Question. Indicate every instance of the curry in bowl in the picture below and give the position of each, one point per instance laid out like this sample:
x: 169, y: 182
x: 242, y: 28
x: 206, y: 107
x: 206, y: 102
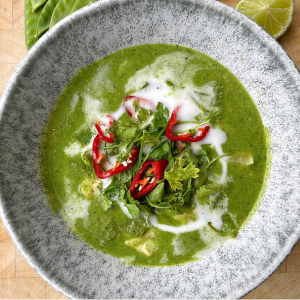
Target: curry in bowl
x: 155, y: 154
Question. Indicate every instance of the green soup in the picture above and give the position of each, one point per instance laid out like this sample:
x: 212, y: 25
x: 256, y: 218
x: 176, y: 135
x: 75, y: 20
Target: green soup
x: 229, y: 164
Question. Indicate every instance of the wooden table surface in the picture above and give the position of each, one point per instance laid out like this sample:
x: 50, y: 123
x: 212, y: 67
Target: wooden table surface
x: 17, y: 279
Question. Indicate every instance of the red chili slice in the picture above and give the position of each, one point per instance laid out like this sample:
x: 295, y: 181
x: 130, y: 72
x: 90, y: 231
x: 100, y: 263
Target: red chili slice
x: 187, y: 137
x: 111, y: 120
x: 118, y: 168
x: 129, y: 107
x: 157, y: 167
x: 107, y: 139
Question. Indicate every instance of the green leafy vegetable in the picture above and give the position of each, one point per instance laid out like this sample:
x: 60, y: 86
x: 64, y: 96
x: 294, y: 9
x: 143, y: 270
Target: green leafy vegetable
x: 120, y: 193
x: 228, y: 227
x: 170, y: 83
x: 106, y: 203
x: 205, y: 191
x: 131, y: 205
x: 179, y: 172
x: 87, y: 158
x: 142, y: 113
x: 160, y: 152
x: 160, y: 120
x: 126, y: 132
x: 202, y: 177
x: 84, y: 136
x: 145, y: 210
x: 170, y: 156
x: 126, y: 176
x: 187, y: 173
x: 157, y: 194
x: 31, y: 23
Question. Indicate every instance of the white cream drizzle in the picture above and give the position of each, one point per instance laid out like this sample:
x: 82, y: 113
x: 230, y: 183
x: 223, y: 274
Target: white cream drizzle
x: 75, y: 207
x: 158, y: 91
x: 204, y: 214
x: 216, y: 137
x: 125, y: 210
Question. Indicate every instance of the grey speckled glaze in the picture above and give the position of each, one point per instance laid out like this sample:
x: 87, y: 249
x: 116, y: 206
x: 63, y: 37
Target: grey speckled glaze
x: 105, y: 27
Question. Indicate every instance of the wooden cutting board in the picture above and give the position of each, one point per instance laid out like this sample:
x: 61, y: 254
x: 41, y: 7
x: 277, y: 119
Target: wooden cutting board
x: 17, y: 279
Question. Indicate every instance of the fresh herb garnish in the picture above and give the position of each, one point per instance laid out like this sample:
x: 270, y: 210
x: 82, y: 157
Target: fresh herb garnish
x: 119, y: 193
x: 170, y: 175
x: 179, y: 172
x: 84, y: 136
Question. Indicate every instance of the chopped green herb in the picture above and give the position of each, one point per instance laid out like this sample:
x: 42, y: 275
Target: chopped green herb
x: 179, y: 172
x: 84, y: 136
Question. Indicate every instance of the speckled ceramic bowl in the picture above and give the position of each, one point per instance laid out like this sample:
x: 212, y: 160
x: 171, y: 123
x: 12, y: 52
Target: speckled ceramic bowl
x: 100, y: 29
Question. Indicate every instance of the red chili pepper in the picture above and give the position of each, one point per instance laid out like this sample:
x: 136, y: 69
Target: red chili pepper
x: 129, y: 107
x: 111, y: 120
x: 187, y: 137
x: 146, y: 185
x: 144, y: 182
x: 107, y: 139
x: 118, y: 168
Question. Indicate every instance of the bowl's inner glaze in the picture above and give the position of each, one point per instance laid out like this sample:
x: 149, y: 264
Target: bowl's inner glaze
x: 103, y: 28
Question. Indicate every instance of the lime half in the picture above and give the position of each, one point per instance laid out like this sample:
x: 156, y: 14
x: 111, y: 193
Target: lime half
x: 275, y: 16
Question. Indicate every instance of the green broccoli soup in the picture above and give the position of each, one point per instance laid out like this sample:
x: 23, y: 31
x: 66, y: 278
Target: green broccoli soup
x: 155, y: 154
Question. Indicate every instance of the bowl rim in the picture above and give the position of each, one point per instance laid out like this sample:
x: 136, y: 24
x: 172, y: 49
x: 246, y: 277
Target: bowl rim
x: 79, y: 14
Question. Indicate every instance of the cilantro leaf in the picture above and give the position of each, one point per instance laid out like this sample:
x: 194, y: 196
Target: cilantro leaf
x: 205, y: 191
x: 126, y: 176
x: 126, y: 132
x: 125, y: 120
x: 84, y: 136
x: 190, y: 157
x: 176, y: 210
x: 132, y: 209
x: 202, y: 177
x: 106, y: 203
x: 205, y: 154
x: 160, y: 120
x: 180, y: 173
x: 170, y: 156
x: 142, y: 113
x: 160, y: 152
x: 120, y: 193
x: 207, y: 98
x: 161, y: 117
x: 131, y: 205
x: 145, y: 210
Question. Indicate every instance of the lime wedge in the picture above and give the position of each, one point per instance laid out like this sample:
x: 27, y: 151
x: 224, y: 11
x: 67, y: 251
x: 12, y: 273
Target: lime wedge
x: 275, y: 16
